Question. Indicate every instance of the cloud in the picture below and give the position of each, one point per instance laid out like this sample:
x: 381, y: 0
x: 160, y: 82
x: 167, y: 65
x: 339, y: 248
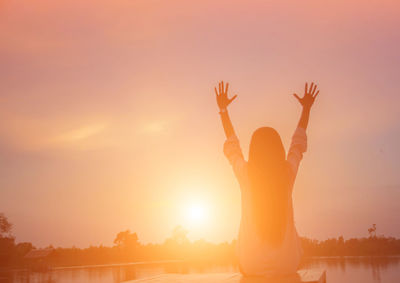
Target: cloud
x: 154, y: 127
x: 78, y: 135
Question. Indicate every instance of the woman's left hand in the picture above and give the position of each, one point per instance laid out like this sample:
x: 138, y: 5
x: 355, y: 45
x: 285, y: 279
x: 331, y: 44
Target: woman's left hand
x: 222, y: 96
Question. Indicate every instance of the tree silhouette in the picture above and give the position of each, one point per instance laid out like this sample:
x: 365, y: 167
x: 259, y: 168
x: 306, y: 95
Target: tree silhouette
x: 179, y: 235
x: 126, y: 239
x: 372, y: 231
x: 5, y: 226
x: 127, y: 248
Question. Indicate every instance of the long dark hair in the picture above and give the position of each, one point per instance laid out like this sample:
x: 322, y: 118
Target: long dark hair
x: 268, y: 177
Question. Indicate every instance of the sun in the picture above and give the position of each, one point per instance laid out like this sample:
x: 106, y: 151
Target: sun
x: 196, y: 213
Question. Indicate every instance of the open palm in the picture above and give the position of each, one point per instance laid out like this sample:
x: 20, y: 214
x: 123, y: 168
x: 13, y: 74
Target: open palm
x: 309, y: 96
x: 222, y: 96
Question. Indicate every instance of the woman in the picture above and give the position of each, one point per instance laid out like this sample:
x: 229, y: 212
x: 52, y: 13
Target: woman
x: 268, y: 243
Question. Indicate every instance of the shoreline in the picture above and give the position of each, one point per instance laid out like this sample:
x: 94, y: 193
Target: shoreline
x: 141, y: 263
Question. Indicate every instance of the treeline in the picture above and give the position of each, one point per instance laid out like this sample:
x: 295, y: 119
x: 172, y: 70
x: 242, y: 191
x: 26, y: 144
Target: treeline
x: 127, y: 248
x: 369, y: 246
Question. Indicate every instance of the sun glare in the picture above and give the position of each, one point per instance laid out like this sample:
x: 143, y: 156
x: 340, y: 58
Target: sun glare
x: 196, y: 213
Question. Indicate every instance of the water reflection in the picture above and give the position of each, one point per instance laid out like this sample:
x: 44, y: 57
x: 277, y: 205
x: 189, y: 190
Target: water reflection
x: 295, y: 278
x: 367, y: 269
x: 344, y: 270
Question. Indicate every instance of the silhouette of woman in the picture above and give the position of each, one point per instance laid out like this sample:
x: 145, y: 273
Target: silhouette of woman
x: 268, y: 244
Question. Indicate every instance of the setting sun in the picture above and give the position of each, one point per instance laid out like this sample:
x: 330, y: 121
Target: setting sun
x: 196, y: 213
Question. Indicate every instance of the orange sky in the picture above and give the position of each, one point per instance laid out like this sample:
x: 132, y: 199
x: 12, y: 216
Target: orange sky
x: 108, y: 119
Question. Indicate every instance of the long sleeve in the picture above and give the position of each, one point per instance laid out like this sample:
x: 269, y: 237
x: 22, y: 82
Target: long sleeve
x: 296, y: 150
x: 234, y: 155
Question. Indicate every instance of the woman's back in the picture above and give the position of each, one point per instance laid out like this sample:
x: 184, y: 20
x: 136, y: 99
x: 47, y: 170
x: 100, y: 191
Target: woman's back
x: 268, y: 243
x: 257, y: 256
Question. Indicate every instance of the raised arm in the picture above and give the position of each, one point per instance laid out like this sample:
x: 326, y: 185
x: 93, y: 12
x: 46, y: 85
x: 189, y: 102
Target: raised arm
x: 223, y: 101
x: 306, y: 101
x: 299, y: 139
x: 232, y: 148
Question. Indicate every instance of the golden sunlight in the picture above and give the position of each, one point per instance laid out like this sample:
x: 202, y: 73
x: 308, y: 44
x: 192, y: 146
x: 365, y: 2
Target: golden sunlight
x: 196, y: 213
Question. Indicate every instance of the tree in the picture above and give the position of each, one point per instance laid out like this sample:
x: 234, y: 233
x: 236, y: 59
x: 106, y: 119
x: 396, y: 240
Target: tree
x: 372, y: 231
x: 24, y: 248
x: 126, y: 239
x: 179, y: 235
x: 5, y: 226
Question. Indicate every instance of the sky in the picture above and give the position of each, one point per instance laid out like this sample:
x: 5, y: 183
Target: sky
x: 108, y: 119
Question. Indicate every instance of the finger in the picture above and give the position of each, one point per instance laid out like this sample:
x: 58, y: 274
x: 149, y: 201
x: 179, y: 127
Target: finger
x: 315, y: 95
x: 219, y: 86
x: 305, y: 90
x: 222, y: 86
x: 315, y: 88
x: 216, y: 92
x: 295, y: 95
x: 230, y: 100
x: 311, y: 87
x: 227, y: 86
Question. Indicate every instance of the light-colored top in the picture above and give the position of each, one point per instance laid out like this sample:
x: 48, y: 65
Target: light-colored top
x: 256, y: 257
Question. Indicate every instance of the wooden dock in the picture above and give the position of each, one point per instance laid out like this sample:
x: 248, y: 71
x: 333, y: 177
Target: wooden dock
x: 302, y: 276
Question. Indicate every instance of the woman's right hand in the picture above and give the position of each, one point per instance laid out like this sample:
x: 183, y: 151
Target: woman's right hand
x: 222, y: 96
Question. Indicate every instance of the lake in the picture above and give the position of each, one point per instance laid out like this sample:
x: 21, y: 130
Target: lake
x: 339, y: 270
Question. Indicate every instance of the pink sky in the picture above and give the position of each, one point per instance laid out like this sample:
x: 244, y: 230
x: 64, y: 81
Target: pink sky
x: 108, y: 119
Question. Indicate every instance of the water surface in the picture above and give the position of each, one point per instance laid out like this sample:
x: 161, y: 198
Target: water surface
x: 339, y: 270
